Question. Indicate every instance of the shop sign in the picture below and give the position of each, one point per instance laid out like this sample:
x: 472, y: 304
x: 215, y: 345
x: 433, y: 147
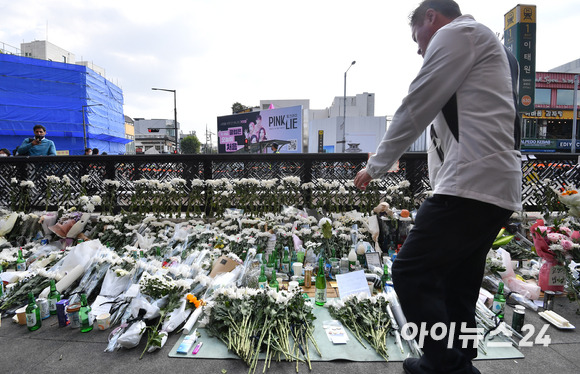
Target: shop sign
x: 567, y: 144
x: 548, y: 79
x: 551, y: 114
x: 538, y: 143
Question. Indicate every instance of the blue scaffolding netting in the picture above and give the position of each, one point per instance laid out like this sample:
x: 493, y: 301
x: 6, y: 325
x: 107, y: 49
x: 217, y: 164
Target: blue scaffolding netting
x: 56, y: 95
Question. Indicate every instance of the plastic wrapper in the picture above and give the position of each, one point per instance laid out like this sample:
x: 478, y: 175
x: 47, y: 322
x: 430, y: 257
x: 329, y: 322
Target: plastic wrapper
x: 176, y: 317
x: 250, y: 276
x: 248, y: 264
x: 7, y: 223
x: 82, y: 254
x: 192, y: 320
x: 310, y: 257
x: 221, y: 280
x: 491, y: 284
x: 401, y: 320
x: 152, y: 308
x: 132, y: 336
x: 90, y: 280
x: 528, y: 290
x: 114, y: 285
x: 373, y: 224
x: 163, y: 335
x: 144, y: 242
x: 48, y: 219
x: 297, y: 242
x: 79, y: 226
x: 65, y: 282
x: 114, y: 338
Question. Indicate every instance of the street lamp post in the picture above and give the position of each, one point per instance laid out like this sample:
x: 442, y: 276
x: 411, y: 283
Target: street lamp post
x: 84, y: 124
x: 575, y: 114
x: 342, y: 127
x: 174, y: 114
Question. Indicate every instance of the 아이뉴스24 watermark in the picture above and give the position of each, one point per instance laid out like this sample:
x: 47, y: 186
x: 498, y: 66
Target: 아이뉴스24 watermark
x: 473, y: 336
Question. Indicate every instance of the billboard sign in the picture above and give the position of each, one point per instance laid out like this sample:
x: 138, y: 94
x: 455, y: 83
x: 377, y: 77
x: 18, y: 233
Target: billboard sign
x: 256, y: 132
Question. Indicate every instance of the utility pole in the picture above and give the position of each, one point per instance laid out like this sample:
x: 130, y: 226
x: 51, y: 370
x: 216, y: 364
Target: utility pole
x: 208, y: 135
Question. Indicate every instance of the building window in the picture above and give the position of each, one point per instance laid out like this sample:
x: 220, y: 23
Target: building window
x: 543, y: 96
x: 566, y: 97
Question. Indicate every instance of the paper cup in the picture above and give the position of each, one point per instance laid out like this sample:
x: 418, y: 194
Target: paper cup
x: 103, y: 321
x: 297, y: 268
x: 21, y: 315
x: 293, y: 285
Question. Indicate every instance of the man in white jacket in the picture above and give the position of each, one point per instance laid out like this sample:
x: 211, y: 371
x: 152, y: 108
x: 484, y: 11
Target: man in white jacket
x: 466, y: 91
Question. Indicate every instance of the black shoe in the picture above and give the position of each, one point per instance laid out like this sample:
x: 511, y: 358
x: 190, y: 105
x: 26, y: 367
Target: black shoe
x: 413, y: 366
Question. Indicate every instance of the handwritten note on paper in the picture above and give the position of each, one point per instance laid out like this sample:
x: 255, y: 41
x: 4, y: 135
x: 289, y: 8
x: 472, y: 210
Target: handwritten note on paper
x: 557, y: 276
x: 352, y: 283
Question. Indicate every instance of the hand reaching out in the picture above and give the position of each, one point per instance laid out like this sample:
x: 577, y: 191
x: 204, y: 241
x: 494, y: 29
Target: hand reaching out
x: 362, y: 179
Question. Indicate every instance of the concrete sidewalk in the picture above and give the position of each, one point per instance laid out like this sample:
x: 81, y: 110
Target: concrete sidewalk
x: 52, y: 349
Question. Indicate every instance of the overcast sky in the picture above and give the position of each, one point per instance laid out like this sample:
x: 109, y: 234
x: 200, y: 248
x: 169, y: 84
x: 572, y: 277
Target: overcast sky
x: 217, y: 52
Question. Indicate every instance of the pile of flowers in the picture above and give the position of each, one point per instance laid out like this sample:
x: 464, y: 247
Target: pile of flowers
x: 366, y: 317
x: 250, y: 321
x: 571, y: 198
x: 558, y: 245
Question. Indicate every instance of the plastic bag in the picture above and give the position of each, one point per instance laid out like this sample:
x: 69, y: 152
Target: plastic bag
x: 531, y: 291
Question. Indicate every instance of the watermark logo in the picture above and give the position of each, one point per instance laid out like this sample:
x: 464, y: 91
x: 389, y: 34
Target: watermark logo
x: 473, y: 336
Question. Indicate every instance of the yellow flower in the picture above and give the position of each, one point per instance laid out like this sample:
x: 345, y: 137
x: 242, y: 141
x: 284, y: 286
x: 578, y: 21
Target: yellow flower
x: 193, y: 300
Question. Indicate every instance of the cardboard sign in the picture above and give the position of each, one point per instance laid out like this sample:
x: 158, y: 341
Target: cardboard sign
x: 224, y: 264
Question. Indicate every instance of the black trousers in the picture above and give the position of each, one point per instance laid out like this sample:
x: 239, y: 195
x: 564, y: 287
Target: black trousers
x: 438, y: 272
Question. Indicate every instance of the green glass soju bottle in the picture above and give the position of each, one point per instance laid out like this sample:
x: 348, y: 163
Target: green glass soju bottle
x: 274, y: 281
x: 286, y: 261
x: 53, y: 298
x: 20, y: 262
x: 33, y: 320
x: 293, y: 259
x: 320, y: 293
x: 498, y: 306
x: 262, y: 279
x: 386, y: 282
x: 85, y: 315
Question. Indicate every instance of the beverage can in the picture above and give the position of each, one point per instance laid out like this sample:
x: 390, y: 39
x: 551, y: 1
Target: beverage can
x: 307, y: 276
x: 518, y: 318
x: 549, y: 300
x: 43, y: 305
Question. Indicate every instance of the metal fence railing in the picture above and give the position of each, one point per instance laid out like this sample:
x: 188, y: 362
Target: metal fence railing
x: 328, y: 179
